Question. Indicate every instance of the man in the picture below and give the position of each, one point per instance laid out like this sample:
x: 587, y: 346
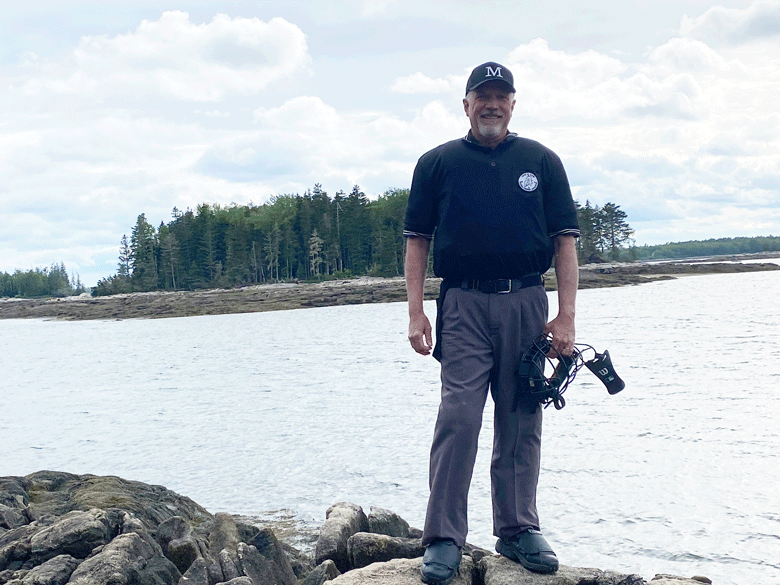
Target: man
x: 501, y: 209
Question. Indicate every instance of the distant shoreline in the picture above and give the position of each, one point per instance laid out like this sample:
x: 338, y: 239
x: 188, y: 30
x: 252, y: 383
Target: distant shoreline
x: 283, y: 296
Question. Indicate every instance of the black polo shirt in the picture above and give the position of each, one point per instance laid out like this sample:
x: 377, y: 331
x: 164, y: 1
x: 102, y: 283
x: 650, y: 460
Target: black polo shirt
x: 494, y: 212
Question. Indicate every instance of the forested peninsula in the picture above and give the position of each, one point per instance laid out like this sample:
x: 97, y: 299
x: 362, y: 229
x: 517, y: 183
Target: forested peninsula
x: 301, y: 295
x: 313, y: 250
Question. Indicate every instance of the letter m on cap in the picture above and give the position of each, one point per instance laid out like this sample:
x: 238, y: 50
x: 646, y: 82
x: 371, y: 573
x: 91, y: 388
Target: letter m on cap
x: 493, y: 72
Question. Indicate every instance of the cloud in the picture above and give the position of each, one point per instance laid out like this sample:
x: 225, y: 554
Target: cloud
x: 177, y: 111
x: 177, y: 59
x: 419, y: 83
x: 720, y: 25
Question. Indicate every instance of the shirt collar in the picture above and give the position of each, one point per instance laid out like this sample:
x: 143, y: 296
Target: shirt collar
x: 469, y: 138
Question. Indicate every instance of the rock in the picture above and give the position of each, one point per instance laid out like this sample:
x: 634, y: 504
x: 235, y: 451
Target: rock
x: 75, y: 534
x: 267, y: 545
x: 382, y: 521
x: 302, y: 564
x: 255, y: 566
x: 11, y: 517
x: 56, y: 493
x: 239, y: 581
x: 159, y: 571
x: 673, y: 580
x: 496, y: 570
x: 13, y: 492
x: 223, y: 535
x: 364, y: 548
x: 52, y: 520
x: 342, y: 520
x: 125, y: 560
x: 228, y: 566
x: 215, y: 574
x: 182, y: 552
x: 197, y: 574
x: 325, y: 571
x: 400, y: 572
x: 55, y: 571
x: 171, y: 529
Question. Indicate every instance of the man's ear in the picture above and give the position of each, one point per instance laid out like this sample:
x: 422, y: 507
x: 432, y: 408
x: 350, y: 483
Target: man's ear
x: 466, y: 106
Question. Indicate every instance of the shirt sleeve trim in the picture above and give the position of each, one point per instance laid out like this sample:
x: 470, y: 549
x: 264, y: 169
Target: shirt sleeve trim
x: 411, y: 234
x: 566, y: 232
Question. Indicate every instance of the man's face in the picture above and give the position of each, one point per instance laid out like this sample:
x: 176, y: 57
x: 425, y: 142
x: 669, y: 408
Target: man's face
x: 489, y: 108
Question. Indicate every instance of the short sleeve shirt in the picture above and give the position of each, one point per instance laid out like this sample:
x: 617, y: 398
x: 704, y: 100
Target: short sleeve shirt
x: 493, y: 212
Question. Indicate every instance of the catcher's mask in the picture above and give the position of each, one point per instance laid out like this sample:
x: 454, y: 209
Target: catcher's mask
x: 535, y: 387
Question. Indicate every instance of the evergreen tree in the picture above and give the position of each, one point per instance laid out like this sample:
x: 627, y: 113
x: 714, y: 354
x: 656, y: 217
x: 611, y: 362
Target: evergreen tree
x: 615, y: 230
x: 125, y: 257
x: 142, y: 243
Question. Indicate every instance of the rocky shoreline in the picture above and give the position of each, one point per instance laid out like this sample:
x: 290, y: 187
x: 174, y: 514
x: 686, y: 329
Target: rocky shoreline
x: 273, y: 297
x: 58, y: 528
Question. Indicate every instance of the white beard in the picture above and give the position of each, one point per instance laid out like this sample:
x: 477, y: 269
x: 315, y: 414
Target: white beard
x: 489, y: 130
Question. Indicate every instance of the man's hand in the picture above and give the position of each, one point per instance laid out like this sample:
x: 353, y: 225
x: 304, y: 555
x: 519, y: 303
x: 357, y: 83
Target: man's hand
x: 416, y: 263
x: 561, y: 329
x: 420, y: 333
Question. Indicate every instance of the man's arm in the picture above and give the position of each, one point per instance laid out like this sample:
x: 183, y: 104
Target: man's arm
x: 415, y: 267
x: 567, y: 273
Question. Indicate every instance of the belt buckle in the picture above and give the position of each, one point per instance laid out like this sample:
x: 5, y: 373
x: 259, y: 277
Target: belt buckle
x: 508, y: 282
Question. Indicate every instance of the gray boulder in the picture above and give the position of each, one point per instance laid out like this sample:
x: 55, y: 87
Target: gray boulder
x: 239, y: 581
x: 496, y: 570
x: 365, y: 548
x: 401, y: 572
x: 11, y: 517
x: 75, y: 534
x: 197, y: 574
x: 342, y: 520
x: 53, y: 493
x: 255, y: 566
x: 124, y: 560
x: 383, y: 521
x: 56, y: 571
x: 672, y: 580
x: 228, y: 566
x: 325, y: 571
x: 223, y: 535
x: 182, y: 552
x: 266, y: 543
x: 171, y: 529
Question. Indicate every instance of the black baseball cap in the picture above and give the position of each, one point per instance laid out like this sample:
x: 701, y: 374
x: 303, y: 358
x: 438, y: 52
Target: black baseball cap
x: 490, y: 71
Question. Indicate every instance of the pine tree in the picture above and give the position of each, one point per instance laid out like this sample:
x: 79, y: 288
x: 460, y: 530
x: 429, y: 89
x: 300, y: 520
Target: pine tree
x: 142, y: 243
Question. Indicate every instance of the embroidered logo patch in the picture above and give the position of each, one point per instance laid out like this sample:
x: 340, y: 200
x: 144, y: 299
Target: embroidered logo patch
x: 528, y: 182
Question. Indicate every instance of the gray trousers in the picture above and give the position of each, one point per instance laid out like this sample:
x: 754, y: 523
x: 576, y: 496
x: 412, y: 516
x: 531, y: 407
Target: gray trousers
x: 483, y: 336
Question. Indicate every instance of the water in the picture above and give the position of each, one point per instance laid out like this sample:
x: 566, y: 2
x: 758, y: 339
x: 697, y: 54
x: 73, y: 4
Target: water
x: 296, y: 410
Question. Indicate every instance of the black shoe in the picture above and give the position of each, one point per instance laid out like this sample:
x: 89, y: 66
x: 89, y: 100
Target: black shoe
x: 531, y: 550
x: 440, y: 562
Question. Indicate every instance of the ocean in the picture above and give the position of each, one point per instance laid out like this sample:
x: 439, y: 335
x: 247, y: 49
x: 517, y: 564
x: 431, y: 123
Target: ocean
x: 283, y: 414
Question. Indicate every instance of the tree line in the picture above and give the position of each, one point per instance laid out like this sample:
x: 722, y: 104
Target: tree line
x: 292, y: 237
x: 296, y: 237
x: 313, y: 237
x: 40, y: 282
x: 711, y: 247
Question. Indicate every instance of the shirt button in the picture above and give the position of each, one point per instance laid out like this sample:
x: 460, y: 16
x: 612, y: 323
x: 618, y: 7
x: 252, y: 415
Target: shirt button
x: 493, y: 164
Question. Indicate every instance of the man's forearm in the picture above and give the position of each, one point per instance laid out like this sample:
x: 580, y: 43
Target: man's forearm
x: 567, y: 275
x: 415, y: 268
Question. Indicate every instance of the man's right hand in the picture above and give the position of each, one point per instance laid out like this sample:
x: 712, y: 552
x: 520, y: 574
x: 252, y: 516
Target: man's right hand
x: 420, y: 335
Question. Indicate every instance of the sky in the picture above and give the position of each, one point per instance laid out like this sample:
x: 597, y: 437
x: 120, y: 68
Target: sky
x: 113, y: 109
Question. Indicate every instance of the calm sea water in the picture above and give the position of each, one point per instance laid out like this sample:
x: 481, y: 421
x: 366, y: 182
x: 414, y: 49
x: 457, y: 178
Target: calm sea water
x: 296, y: 410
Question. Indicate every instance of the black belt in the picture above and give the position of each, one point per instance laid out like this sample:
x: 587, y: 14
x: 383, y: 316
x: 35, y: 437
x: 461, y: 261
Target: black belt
x: 503, y: 285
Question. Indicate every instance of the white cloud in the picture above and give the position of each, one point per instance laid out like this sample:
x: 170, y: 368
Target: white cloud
x: 179, y: 111
x: 177, y: 59
x: 419, y: 83
x: 721, y: 25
